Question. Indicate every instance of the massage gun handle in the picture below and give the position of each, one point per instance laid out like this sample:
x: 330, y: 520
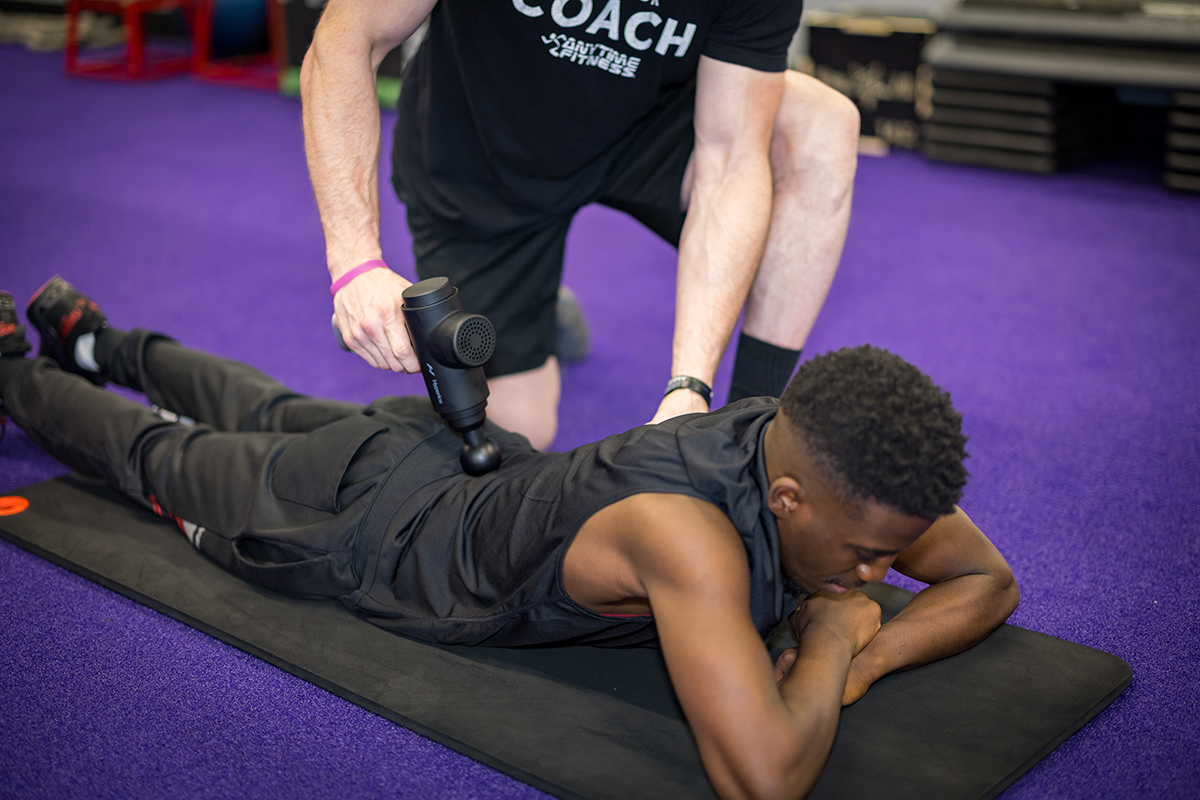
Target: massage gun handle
x: 469, y: 340
x: 337, y: 334
x: 467, y: 382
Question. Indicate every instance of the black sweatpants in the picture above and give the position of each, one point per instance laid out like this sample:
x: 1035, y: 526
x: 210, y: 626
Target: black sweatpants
x: 280, y: 483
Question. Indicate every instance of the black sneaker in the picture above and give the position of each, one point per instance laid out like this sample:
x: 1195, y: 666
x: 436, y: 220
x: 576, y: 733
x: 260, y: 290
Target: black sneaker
x: 12, y: 344
x: 12, y: 333
x: 61, y: 315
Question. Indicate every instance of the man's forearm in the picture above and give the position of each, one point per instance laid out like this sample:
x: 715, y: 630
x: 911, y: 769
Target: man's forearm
x: 812, y: 693
x: 971, y: 592
x: 944, y: 619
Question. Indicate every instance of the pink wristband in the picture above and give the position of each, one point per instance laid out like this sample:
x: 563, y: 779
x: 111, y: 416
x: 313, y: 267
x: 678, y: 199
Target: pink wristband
x: 366, y: 266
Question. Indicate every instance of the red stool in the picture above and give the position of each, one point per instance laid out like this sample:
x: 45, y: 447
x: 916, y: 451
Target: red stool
x: 134, y: 64
x: 257, y: 71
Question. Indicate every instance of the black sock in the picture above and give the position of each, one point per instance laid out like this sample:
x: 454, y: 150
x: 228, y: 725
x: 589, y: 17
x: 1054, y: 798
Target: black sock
x: 107, y: 341
x: 761, y: 369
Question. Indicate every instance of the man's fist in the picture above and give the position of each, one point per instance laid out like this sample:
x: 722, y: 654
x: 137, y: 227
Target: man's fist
x: 852, y: 615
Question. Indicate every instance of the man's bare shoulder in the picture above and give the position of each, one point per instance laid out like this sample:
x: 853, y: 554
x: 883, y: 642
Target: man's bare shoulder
x: 651, y: 539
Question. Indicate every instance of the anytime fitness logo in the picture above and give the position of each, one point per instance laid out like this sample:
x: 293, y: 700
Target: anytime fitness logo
x: 638, y: 32
x: 591, y: 54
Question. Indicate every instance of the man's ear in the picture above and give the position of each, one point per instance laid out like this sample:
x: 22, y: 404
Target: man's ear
x: 786, y: 497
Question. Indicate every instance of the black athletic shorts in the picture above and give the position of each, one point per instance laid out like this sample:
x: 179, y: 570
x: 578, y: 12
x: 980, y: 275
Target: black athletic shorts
x: 513, y: 279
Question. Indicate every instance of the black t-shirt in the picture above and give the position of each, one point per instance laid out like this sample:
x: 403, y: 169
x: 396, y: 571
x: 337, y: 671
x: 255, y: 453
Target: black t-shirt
x: 517, y: 102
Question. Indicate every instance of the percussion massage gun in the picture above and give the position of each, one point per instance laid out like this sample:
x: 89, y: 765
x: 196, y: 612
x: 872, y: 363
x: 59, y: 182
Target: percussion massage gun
x: 452, y: 346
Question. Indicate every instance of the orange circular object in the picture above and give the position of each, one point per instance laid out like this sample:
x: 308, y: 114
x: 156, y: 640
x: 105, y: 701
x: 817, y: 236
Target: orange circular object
x: 12, y: 505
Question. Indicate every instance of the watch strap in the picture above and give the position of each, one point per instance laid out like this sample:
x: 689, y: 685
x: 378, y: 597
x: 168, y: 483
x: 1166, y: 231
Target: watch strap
x: 688, y: 382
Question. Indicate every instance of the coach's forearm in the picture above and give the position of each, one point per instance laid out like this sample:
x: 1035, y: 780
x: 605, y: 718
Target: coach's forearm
x: 719, y: 251
x: 341, y: 118
x: 341, y: 142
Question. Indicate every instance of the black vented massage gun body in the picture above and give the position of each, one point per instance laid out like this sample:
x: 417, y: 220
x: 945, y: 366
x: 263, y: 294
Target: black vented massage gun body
x: 452, y: 346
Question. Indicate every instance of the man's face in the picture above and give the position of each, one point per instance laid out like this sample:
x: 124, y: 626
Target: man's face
x: 825, y: 543
x: 835, y: 547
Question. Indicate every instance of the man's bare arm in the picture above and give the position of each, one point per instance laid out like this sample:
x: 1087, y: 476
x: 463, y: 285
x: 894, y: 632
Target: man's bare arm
x: 971, y: 592
x: 757, y: 738
x: 729, y: 215
x: 342, y: 138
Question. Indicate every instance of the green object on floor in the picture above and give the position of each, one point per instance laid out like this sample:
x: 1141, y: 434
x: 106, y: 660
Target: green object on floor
x: 386, y: 89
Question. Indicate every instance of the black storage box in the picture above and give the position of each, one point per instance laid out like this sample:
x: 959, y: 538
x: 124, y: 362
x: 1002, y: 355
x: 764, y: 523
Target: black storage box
x: 873, y: 60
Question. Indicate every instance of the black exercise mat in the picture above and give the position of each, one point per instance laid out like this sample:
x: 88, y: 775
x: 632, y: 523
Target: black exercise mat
x: 586, y: 722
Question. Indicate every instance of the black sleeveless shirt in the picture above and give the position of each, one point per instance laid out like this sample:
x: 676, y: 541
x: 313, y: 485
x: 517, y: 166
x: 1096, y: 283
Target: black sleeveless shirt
x: 460, y: 560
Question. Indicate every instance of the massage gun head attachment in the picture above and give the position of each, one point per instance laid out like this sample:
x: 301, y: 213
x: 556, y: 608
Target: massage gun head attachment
x: 452, y: 346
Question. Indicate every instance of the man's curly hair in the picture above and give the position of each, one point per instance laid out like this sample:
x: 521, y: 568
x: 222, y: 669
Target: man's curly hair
x: 879, y: 429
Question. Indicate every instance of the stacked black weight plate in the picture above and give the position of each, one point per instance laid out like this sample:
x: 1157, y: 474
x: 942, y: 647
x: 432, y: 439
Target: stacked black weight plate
x: 1183, y: 142
x: 1021, y: 123
x: 1087, y: 78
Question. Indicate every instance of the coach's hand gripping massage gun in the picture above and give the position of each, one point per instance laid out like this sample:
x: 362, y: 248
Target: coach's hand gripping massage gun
x: 452, y: 346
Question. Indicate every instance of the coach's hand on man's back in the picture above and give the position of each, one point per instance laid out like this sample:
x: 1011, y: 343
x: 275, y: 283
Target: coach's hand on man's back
x: 368, y: 314
x: 678, y: 403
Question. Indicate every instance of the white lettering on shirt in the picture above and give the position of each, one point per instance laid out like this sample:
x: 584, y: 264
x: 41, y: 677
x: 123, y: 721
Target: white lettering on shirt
x: 529, y: 11
x: 669, y: 38
x: 631, y: 37
x: 556, y: 13
x: 592, y: 54
x: 609, y: 18
x: 608, y: 21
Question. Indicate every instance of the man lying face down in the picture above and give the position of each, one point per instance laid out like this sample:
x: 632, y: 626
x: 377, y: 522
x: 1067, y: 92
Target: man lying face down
x: 699, y: 533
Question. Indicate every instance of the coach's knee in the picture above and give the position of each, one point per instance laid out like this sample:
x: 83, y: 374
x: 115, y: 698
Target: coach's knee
x: 527, y: 403
x: 814, y: 147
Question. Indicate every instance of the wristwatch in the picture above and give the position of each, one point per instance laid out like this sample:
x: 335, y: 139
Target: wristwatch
x: 688, y: 382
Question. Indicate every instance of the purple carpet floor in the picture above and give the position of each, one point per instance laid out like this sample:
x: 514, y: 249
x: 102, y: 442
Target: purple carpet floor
x: 1062, y: 313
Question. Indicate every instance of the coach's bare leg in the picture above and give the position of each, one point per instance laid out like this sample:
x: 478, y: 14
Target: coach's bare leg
x: 527, y: 402
x: 813, y: 160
